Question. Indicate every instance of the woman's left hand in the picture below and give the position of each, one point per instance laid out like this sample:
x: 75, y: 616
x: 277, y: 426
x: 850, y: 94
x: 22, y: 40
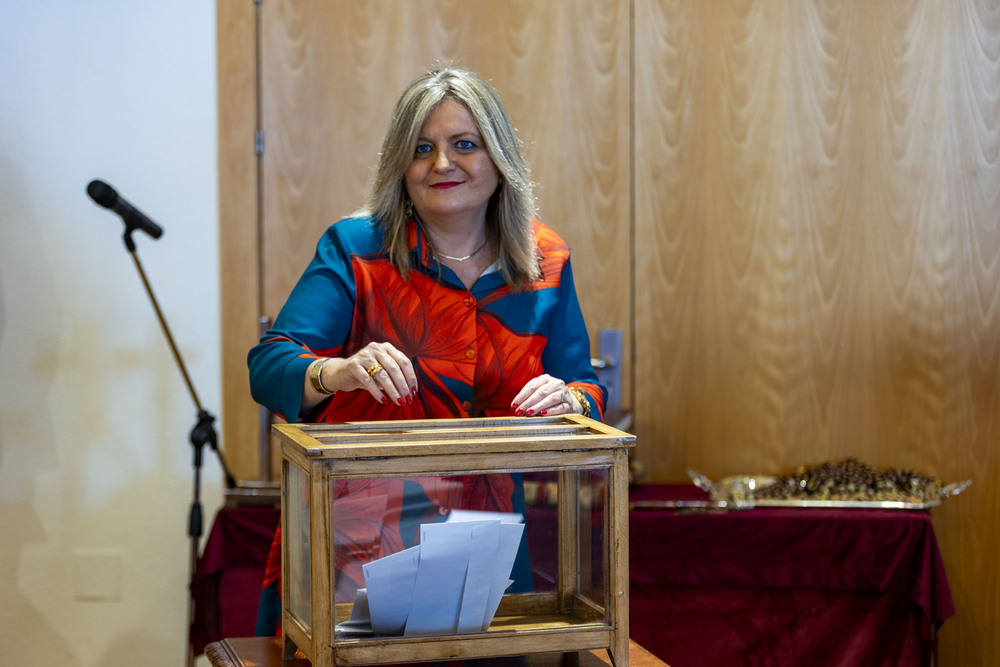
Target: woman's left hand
x: 545, y: 395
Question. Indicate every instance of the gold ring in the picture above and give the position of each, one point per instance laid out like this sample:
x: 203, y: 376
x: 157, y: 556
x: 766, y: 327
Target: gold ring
x: 374, y: 369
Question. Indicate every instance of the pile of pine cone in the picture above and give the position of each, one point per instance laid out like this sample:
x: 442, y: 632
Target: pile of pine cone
x: 852, y: 480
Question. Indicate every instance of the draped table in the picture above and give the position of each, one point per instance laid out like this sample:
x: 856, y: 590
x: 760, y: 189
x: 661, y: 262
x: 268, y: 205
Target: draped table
x: 784, y: 586
x: 229, y: 575
x: 763, y: 587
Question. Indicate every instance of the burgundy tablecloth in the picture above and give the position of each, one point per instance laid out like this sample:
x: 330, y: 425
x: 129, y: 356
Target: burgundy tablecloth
x: 784, y: 586
x: 227, y: 580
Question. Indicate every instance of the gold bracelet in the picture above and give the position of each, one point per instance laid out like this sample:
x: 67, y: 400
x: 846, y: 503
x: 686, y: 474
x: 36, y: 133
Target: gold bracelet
x: 582, y: 397
x: 316, y: 380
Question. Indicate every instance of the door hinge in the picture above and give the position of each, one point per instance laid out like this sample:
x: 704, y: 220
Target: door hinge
x: 258, y: 145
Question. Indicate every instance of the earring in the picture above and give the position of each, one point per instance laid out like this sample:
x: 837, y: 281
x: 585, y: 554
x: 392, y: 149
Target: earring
x: 409, y: 208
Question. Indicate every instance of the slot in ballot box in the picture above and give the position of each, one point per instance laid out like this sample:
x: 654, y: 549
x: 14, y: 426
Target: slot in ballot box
x: 364, y: 583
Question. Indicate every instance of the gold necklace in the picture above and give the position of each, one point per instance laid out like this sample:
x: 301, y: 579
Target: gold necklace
x: 469, y: 256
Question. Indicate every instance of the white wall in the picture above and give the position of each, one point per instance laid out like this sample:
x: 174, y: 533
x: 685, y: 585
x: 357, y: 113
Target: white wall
x: 96, y: 468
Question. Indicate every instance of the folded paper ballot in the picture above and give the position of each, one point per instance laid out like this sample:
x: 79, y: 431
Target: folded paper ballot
x: 452, y: 582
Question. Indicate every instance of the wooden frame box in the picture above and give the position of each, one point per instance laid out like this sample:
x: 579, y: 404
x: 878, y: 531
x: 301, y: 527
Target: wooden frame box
x: 587, y: 463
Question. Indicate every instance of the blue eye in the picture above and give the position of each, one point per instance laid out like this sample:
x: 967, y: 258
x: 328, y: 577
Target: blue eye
x: 465, y: 144
x: 423, y: 149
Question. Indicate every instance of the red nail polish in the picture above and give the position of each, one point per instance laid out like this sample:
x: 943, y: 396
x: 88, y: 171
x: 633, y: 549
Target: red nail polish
x: 400, y: 402
x: 530, y: 412
x: 409, y: 400
x: 513, y: 406
x: 544, y: 412
x: 414, y: 391
x: 518, y: 412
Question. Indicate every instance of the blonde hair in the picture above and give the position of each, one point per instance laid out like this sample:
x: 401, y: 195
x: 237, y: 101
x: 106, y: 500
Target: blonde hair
x: 511, y: 208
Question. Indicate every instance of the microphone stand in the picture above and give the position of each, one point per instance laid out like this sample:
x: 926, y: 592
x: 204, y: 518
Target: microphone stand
x: 202, y: 434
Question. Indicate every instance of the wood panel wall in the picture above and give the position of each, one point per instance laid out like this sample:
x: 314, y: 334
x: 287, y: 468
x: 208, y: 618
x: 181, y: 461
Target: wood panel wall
x: 239, y: 240
x: 818, y: 253
x: 332, y: 72
x: 792, y: 208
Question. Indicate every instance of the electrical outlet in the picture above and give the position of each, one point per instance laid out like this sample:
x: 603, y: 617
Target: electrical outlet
x: 97, y: 574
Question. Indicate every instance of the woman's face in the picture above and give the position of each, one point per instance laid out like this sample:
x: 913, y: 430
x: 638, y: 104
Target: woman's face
x: 451, y: 177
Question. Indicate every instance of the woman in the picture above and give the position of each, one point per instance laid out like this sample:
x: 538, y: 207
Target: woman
x: 443, y: 298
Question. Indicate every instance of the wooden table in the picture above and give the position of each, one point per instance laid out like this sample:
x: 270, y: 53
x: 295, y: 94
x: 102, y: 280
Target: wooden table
x: 266, y: 652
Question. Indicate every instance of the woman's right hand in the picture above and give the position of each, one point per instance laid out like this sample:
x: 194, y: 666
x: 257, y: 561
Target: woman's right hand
x: 378, y: 368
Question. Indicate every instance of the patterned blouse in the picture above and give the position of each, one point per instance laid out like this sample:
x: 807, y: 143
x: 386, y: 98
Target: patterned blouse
x: 472, y: 349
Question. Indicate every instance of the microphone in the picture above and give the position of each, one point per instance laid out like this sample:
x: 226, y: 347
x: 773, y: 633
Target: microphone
x: 105, y: 195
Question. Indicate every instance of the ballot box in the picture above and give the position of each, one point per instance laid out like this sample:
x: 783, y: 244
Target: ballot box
x: 405, y: 541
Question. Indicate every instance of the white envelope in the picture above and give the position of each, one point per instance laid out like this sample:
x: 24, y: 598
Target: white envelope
x: 483, y: 544
x: 510, y: 540
x: 437, y: 592
x: 390, y: 583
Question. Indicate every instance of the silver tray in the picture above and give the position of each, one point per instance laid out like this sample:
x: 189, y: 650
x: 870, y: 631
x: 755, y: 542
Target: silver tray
x: 855, y: 504
x: 738, y: 492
